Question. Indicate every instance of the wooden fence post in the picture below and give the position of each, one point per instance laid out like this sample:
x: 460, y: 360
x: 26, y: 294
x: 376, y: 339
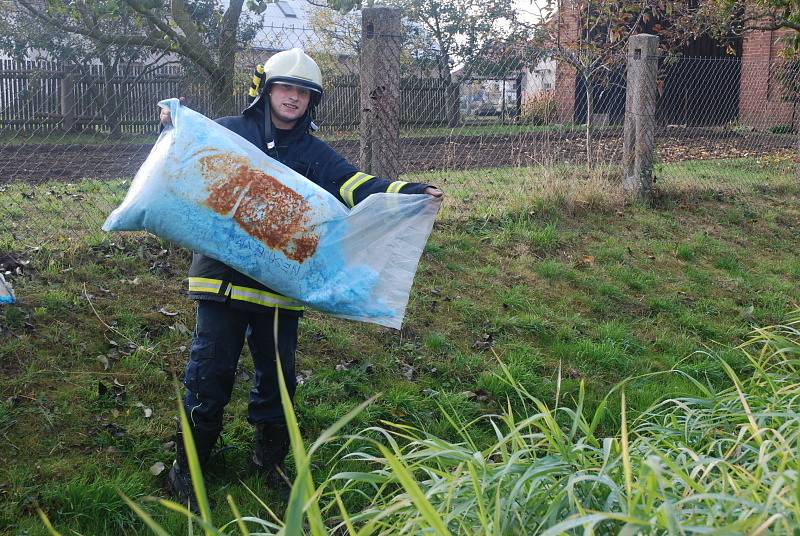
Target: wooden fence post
x: 380, y: 91
x: 453, y: 95
x: 68, y: 116
x: 640, y: 115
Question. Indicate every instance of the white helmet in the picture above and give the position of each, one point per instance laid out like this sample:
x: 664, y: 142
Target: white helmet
x: 293, y: 67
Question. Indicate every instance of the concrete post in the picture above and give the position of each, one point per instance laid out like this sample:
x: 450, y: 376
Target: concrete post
x: 640, y: 115
x: 380, y: 91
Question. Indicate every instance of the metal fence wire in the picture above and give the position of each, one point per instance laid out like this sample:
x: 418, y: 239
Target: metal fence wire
x: 495, y: 133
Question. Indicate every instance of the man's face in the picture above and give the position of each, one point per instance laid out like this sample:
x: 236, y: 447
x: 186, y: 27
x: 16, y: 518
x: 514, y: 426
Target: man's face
x: 288, y: 104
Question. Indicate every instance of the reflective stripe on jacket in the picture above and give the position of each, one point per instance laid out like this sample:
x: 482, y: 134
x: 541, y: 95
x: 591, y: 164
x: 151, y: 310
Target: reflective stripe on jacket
x: 262, y: 298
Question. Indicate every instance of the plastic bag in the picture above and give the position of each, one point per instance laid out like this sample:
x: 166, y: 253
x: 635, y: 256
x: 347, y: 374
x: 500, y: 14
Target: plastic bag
x: 6, y: 292
x: 210, y: 190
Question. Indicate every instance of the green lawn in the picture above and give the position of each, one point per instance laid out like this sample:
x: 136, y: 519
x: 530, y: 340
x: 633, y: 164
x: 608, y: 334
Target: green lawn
x: 541, y: 266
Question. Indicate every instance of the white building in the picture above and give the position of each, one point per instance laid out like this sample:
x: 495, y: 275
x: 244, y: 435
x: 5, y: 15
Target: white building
x: 539, y: 79
x: 286, y: 25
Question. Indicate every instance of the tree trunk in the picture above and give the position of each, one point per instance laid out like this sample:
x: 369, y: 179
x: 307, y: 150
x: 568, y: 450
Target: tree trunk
x: 111, y: 102
x: 222, y: 81
x: 589, y: 114
x: 453, y: 103
x: 221, y: 94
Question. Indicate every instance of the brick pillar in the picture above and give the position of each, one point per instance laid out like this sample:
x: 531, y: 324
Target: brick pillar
x: 565, y: 73
x: 565, y: 92
x: 760, y: 92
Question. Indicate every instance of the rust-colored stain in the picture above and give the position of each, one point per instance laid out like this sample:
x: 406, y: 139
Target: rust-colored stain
x: 265, y: 208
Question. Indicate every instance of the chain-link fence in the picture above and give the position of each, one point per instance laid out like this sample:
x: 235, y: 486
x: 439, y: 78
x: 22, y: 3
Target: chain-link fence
x: 496, y: 131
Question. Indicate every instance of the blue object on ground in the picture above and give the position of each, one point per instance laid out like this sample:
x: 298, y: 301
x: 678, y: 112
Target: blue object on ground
x: 6, y: 292
x: 210, y: 190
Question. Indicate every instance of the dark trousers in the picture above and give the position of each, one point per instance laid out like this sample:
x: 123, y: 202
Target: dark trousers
x: 211, y: 370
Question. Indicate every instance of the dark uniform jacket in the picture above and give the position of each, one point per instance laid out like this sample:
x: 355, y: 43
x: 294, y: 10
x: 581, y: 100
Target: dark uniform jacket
x: 210, y: 279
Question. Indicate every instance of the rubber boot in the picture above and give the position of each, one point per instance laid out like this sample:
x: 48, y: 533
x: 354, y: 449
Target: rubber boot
x: 179, y: 480
x: 272, y: 446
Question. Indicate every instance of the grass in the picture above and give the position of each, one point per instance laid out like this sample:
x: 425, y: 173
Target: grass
x: 577, y: 283
x: 724, y: 460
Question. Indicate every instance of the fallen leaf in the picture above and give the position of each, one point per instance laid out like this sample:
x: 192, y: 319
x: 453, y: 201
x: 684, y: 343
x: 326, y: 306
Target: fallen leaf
x: 484, y: 343
x: 181, y: 328
x: 408, y: 372
x: 115, y: 430
x: 148, y: 412
x: 346, y: 365
x: 303, y: 377
x: 104, y: 360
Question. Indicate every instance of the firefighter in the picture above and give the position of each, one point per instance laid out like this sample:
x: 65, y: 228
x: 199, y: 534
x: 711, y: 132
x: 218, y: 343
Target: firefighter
x: 231, y: 307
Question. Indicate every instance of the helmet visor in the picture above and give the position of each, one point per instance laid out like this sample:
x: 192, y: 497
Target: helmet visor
x: 291, y: 81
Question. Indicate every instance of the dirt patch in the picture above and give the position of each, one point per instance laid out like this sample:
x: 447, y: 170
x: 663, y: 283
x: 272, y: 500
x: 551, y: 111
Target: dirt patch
x: 35, y: 163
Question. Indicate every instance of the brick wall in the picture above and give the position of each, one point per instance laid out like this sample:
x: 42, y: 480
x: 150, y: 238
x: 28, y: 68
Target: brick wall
x: 565, y: 74
x: 760, y: 93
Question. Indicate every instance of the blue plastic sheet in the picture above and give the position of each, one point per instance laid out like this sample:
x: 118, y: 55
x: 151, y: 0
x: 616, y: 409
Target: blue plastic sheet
x: 6, y: 292
x: 210, y: 190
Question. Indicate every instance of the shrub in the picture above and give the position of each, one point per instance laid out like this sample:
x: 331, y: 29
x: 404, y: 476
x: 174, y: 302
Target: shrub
x: 539, y: 109
x: 782, y: 129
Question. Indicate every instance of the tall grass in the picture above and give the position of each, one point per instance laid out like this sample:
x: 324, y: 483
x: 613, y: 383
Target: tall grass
x: 723, y: 462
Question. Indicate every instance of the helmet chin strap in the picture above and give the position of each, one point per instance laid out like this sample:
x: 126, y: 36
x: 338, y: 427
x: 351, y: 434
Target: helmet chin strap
x: 268, y: 137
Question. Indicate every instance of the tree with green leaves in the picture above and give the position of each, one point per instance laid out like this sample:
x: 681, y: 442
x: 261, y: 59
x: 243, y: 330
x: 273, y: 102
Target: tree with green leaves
x: 23, y: 36
x: 204, y: 34
x: 446, y: 34
x: 340, y: 35
x: 736, y: 17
